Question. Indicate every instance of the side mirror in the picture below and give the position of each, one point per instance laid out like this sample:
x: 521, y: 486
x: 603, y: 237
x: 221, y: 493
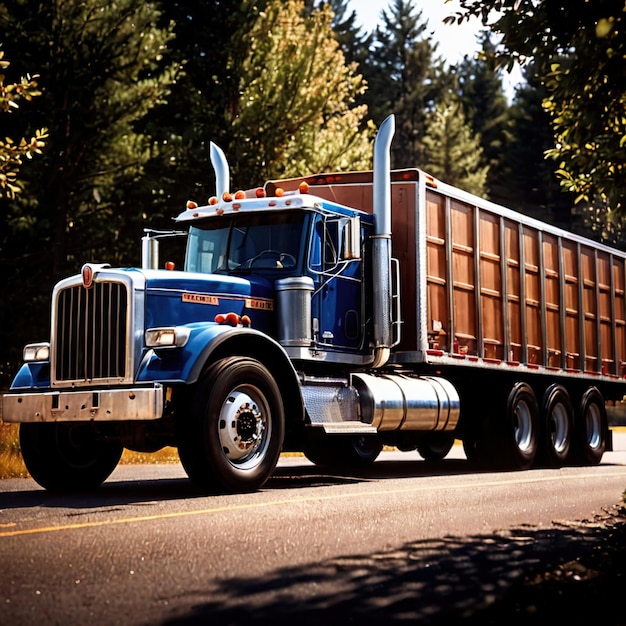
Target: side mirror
x: 352, y: 239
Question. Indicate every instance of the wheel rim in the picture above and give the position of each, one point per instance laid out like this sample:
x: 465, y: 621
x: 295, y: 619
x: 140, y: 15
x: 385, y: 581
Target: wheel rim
x: 243, y: 427
x: 593, y: 426
x: 559, y: 428
x: 523, y: 427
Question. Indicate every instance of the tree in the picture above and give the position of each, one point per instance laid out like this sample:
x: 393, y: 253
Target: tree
x: 403, y: 78
x: 453, y: 152
x: 11, y: 151
x: 578, y: 48
x: 533, y: 187
x: 103, y: 66
x: 488, y: 113
x: 295, y: 112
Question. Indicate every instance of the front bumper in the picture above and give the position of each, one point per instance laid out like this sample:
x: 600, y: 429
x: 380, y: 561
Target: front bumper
x: 131, y: 403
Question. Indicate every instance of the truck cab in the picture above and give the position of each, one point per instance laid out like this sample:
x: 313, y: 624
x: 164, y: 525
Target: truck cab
x: 294, y: 250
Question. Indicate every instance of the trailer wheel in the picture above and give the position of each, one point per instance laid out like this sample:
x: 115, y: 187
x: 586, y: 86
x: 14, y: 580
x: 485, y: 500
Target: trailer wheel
x: 234, y: 435
x: 68, y: 457
x: 517, y: 434
x: 434, y: 447
x: 591, y: 428
x: 557, y: 426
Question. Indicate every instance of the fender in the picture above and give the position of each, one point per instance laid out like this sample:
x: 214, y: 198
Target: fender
x: 32, y: 376
x: 209, y: 341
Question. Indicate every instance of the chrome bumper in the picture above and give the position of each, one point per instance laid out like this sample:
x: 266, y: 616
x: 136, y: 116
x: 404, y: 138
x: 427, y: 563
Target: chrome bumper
x: 141, y: 403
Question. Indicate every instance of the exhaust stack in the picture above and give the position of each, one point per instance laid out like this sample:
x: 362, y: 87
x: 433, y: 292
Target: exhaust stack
x: 221, y: 169
x: 381, y: 246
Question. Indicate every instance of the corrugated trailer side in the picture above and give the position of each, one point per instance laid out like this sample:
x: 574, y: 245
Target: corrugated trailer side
x: 500, y: 289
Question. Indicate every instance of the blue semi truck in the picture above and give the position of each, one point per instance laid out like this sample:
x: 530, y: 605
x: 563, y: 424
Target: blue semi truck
x: 330, y: 314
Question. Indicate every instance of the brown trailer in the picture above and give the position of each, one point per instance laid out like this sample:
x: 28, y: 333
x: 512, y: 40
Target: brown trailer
x: 526, y: 320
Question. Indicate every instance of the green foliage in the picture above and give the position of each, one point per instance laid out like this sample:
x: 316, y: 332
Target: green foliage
x: 295, y: 111
x: 578, y: 48
x: 13, y: 151
x: 488, y: 113
x: 404, y: 79
x: 453, y: 152
x: 102, y: 67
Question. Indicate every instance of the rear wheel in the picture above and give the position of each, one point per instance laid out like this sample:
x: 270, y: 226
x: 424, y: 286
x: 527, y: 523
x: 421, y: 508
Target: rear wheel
x: 342, y: 450
x: 517, y: 434
x: 68, y: 456
x: 591, y: 428
x: 557, y: 426
x: 435, y: 446
x: 234, y: 435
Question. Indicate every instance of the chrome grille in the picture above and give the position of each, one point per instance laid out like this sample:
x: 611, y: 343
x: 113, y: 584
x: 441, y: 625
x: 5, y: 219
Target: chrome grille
x: 90, y: 338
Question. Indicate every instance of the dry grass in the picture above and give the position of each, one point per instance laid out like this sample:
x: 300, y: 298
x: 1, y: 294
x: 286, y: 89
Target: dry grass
x: 165, y: 455
x: 11, y: 464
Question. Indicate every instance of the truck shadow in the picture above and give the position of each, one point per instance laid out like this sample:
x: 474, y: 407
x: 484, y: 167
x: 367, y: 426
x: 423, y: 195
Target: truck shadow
x: 122, y: 492
x: 571, y: 571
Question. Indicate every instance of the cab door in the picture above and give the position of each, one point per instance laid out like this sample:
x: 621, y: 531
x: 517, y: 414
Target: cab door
x: 337, y: 304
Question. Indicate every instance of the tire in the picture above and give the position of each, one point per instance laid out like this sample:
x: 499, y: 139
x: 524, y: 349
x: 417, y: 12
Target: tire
x: 591, y: 428
x: 517, y: 434
x: 234, y: 435
x: 557, y: 427
x: 478, y: 438
x: 362, y: 450
x: 68, y: 457
x: 342, y: 451
x: 434, y: 447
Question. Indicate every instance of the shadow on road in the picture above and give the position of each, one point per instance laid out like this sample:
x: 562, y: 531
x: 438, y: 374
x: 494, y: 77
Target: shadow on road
x: 294, y: 476
x: 571, y: 572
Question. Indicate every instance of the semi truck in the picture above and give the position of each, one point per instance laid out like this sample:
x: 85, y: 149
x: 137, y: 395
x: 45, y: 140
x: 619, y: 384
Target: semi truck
x: 330, y: 315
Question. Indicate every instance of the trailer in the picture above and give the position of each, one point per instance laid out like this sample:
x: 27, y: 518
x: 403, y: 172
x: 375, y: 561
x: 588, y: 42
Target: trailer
x: 331, y: 314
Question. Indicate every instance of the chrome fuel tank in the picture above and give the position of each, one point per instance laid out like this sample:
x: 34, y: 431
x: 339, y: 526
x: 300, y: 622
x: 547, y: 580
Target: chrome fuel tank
x: 400, y: 402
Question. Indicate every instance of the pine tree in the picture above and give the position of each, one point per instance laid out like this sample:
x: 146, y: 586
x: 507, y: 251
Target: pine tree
x: 102, y: 67
x: 533, y: 187
x: 404, y: 78
x: 486, y: 109
x: 453, y: 152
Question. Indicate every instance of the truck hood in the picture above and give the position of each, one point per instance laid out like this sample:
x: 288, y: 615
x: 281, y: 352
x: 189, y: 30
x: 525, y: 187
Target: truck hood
x: 177, y: 298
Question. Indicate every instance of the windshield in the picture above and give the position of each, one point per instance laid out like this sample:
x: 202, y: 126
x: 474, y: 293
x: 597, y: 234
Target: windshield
x: 246, y: 242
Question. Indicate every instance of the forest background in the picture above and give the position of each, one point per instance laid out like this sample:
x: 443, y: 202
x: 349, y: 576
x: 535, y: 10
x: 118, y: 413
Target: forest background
x: 119, y: 99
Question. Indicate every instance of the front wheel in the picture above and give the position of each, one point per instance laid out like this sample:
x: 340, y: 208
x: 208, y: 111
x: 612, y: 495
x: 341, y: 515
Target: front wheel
x: 68, y: 456
x: 233, y: 437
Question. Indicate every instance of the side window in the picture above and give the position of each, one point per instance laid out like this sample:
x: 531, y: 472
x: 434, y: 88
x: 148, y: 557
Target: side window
x: 326, y: 247
x: 332, y: 248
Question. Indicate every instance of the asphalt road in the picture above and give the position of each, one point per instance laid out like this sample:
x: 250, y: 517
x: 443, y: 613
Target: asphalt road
x: 403, y: 540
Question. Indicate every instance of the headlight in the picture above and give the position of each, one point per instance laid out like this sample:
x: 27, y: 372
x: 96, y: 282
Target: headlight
x: 36, y: 352
x: 167, y: 337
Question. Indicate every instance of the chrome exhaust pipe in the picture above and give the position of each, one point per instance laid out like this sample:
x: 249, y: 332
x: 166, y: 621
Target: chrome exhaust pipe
x: 221, y: 169
x: 381, y: 245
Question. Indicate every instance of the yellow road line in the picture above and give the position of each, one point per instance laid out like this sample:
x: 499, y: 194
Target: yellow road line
x: 290, y: 501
